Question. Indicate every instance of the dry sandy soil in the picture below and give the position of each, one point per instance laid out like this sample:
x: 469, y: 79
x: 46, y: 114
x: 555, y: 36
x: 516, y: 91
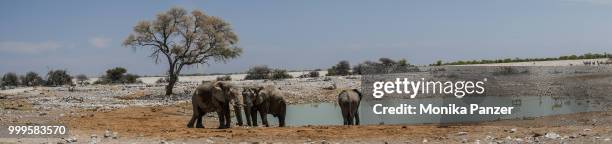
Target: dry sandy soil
x: 167, y: 124
x: 155, y: 124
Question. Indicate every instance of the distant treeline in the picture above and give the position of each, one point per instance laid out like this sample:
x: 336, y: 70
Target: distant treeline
x: 228, y: 73
x: 54, y: 78
x: 201, y: 74
x: 117, y: 75
x: 382, y: 66
x: 509, y: 60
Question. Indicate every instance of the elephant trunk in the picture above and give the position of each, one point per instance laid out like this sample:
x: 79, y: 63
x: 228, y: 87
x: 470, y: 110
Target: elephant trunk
x: 238, y: 114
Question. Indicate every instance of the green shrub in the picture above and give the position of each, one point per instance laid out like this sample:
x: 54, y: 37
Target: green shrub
x: 10, y: 79
x: 439, y: 63
x: 311, y: 74
x: 82, y: 79
x: 58, y: 78
x: 280, y: 74
x: 32, y: 79
x: 384, y: 65
x: 224, y: 78
x: 118, y: 75
x: 342, y: 68
x: 358, y: 69
x: 258, y: 72
x: 387, y: 61
x: 131, y: 78
x: 314, y: 73
x: 102, y: 80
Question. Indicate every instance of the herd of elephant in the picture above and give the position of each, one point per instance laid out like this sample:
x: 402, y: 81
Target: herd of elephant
x: 218, y: 96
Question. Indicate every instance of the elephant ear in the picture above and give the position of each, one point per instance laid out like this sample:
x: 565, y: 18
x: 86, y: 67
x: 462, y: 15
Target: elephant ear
x: 245, y: 92
x: 235, y: 95
x: 219, y: 93
x: 260, y: 97
x: 226, y: 86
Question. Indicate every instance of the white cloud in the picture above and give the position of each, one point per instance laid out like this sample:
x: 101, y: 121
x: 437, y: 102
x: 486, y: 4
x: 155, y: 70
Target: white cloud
x: 28, y: 47
x: 100, y: 42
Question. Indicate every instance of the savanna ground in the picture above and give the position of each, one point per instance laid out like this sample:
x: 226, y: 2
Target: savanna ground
x: 160, y: 124
x: 141, y: 114
x: 167, y: 123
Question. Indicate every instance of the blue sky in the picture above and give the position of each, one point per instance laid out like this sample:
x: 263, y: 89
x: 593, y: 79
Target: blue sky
x: 85, y: 36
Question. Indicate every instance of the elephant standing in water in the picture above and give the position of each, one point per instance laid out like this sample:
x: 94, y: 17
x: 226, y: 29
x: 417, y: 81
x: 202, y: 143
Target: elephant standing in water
x: 349, y: 104
x: 213, y: 97
x: 266, y: 101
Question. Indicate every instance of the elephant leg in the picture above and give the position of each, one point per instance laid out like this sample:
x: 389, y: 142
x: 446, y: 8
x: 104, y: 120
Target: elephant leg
x: 191, y: 122
x: 226, y: 113
x: 350, y: 119
x: 282, y: 114
x: 264, y: 118
x: 199, y: 120
x: 356, y: 117
x: 254, y: 116
x: 237, y: 110
x: 281, y: 120
x: 345, y: 114
x: 194, y: 117
x: 221, y: 119
x: 247, y: 115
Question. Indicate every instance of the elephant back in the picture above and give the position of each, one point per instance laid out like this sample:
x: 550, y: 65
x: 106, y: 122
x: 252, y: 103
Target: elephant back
x: 203, y: 95
x: 359, y: 94
x: 204, y: 91
x: 349, y: 96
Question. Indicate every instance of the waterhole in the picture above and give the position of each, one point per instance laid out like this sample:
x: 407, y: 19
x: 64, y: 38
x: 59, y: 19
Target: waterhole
x: 524, y: 107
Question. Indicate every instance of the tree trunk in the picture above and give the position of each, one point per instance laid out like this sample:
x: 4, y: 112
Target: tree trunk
x: 169, y: 87
x: 172, y: 76
x: 171, y: 81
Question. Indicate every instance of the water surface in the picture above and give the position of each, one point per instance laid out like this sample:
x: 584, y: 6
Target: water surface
x: 524, y: 107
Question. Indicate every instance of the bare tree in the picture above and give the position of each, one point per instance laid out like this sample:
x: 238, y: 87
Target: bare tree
x: 185, y: 39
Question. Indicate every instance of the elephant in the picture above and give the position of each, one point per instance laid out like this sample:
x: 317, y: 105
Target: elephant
x: 213, y: 97
x: 349, y: 104
x: 265, y: 100
x: 249, y: 93
x: 237, y: 102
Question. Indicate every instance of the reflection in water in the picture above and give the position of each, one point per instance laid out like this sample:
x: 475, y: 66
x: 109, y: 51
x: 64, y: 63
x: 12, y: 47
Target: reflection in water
x: 524, y: 107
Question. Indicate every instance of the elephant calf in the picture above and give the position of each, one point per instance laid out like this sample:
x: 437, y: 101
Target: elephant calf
x: 266, y: 101
x: 349, y: 104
